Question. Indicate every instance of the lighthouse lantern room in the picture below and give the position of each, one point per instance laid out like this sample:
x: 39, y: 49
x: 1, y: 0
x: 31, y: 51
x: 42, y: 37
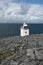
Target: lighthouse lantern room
x: 24, y: 31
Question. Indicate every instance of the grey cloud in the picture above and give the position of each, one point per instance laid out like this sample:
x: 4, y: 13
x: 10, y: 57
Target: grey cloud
x: 24, y: 9
x: 20, y: 11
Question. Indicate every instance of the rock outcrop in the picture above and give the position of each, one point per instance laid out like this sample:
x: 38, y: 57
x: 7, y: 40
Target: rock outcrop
x: 19, y: 50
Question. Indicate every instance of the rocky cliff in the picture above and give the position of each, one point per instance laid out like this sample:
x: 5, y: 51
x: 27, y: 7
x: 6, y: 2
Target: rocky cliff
x: 19, y: 50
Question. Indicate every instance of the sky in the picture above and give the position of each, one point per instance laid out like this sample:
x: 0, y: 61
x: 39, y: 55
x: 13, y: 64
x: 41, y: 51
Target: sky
x: 19, y: 11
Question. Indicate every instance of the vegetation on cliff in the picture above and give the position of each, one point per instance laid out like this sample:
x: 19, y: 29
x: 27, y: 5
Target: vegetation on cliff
x: 21, y: 50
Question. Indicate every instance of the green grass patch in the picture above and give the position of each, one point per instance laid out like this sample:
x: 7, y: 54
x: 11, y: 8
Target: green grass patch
x: 4, y: 55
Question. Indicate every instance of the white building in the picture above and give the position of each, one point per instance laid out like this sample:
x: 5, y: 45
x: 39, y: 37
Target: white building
x: 24, y: 31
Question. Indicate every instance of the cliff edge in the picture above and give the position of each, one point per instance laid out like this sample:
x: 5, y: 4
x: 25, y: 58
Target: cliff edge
x: 17, y: 50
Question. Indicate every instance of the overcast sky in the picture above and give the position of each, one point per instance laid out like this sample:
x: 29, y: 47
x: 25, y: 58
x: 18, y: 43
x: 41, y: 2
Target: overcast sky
x: 30, y: 11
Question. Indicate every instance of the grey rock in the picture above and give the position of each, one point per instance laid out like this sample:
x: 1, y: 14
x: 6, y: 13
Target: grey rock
x: 29, y: 50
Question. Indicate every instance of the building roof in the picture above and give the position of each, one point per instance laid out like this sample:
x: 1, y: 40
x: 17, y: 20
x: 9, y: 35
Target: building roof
x: 25, y: 26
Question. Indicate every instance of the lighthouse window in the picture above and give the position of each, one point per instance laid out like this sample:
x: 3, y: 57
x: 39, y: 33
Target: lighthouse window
x: 25, y: 32
x: 25, y: 27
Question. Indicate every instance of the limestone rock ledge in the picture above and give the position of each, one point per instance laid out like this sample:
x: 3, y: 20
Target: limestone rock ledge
x: 19, y: 50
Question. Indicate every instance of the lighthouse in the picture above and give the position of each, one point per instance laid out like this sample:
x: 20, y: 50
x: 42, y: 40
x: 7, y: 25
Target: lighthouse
x: 24, y: 31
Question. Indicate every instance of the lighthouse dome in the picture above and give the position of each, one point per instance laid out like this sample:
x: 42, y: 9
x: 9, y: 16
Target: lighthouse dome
x: 25, y: 26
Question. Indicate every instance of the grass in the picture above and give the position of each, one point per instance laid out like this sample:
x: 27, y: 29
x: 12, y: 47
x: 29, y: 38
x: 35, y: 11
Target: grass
x: 4, y: 55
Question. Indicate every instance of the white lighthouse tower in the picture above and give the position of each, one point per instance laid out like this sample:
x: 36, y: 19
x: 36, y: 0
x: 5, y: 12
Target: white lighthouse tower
x: 24, y: 31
